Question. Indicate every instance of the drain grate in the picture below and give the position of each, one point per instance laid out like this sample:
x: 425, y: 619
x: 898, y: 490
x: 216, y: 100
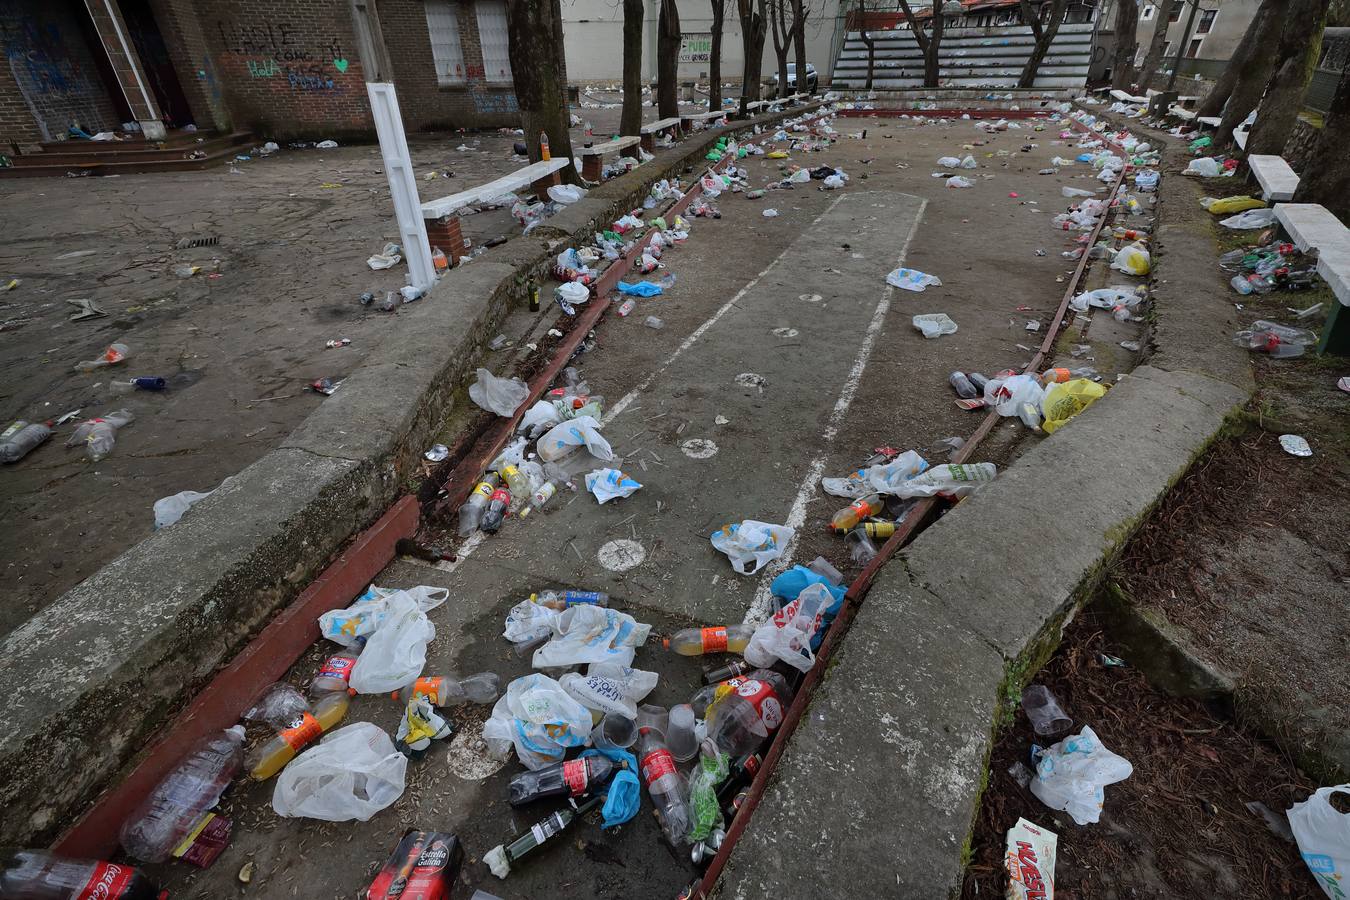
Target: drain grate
x: 190, y: 243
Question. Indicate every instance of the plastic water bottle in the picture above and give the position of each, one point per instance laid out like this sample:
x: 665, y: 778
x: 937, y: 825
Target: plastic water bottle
x: 543, y: 495
x: 665, y: 785
x: 847, y: 518
x: 335, y: 675
x: 517, y: 482
x: 449, y: 690
x: 561, y: 600
x: 99, y: 435
x: 23, y: 440
x: 497, y: 505
x: 627, y: 306
x: 178, y: 802
x: 570, y: 778
x: 471, y: 512
x: 40, y: 875
x: 271, y: 758
x: 700, y: 641
x: 745, y: 711
x: 961, y: 384
x: 978, y: 380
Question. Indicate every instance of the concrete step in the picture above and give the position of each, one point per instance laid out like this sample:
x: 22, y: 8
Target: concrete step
x: 72, y: 152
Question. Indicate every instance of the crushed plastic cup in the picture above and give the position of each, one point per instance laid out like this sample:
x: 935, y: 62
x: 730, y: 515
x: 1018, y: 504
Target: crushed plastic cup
x: 614, y: 732
x: 933, y: 325
x: 1043, y: 711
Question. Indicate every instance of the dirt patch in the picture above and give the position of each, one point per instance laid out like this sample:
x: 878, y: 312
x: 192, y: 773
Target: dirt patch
x: 1178, y: 826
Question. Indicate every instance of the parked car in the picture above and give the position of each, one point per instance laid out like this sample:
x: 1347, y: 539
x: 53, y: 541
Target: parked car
x: 812, y: 79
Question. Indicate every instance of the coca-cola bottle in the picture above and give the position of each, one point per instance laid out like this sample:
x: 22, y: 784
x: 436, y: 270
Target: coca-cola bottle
x: 570, y: 778
x: 665, y: 784
x: 496, y: 511
x: 742, y: 712
x: 39, y: 875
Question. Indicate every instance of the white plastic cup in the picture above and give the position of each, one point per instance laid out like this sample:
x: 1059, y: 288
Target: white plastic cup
x: 614, y: 732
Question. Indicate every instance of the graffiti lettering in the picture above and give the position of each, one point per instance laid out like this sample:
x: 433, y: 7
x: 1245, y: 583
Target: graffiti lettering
x: 263, y: 69
x: 495, y: 102
x: 279, y: 49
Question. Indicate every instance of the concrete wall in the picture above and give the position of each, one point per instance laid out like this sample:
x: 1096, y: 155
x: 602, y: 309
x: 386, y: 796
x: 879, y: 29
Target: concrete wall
x: 593, y: 34
x: 50, y: 78
x: 1229, y: 25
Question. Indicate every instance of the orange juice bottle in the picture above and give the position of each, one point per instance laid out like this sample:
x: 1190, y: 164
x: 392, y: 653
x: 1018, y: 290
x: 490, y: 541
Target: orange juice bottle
x: 271, y: 758
x: 847, y: 518
x: 722, y: 639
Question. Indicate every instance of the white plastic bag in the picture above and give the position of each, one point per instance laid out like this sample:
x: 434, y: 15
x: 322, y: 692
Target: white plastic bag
x: 887, y: 478
x: 1205, y: 167
x: 959, y: 182
x: 1323, y: 836
x: 353, y: 773
x: 968, y: 162
x: 787, y: 636
x: 955, y: 479
x: 607, y: 484
x: 591, y: 634
x: 539, y: 719
x: 566, y: 194
x: 1008, y: 395
x: 912, y: 280
x: 500, y: 395
x: 566, y: 437
x: 1252, y: 218
x: 1132, y: 260
x: 610, y: 688
x: 1071, y: 774
x: 933, y: 325
x: 368, y: 612
x: 949, y: 162
x: 1075, y: 192
x: 169, y: 510
x: 751, y: 544
x: 396, y: 653
x: 528, y: 621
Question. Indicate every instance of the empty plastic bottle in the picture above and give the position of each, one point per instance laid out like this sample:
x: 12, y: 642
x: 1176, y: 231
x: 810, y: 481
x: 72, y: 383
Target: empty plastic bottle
x: 543, y: 495
x: 114, y: 353
x: 496, y: 510
x: 665, y: 785
x: 720, y: 639
x: 978, y: 380
x: 1280, y: 341
x: 627, y: 306
x: 24, y: 440
x: 712, y: 675
x: 40, y: 875
x: 271, y: 758
x: 742, y: 712
x: 848, y: 518
x: 570, y: 778
x: 449, y: 690
x: 99, y: 435
x: 680, y: 733
x: 335, y: 675
x: 471, y: 512
x: 961, y: 384
x: 517, y: 482
x: 152, y: 383
x: 168, y: 815
x: 561, y: 600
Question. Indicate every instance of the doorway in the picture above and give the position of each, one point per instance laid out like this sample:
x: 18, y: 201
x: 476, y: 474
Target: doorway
x: 160, y: 74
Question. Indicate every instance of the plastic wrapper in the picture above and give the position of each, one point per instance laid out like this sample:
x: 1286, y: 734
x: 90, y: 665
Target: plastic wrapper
x: 750, y: 544
x: 1030, y: 862
x: 502, y: 396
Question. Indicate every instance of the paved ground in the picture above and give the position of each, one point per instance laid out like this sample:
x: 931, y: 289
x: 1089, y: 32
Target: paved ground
x: 798, y: 300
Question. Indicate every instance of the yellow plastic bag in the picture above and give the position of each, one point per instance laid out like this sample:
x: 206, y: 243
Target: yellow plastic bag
x: 779, y: 154
x: 1132, y: 260
x: 1229, y: 205
x: 1064, y: 401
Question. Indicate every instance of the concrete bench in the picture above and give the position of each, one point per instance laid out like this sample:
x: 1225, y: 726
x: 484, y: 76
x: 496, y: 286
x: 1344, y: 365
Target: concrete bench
x: 593, y: 158
x: 689, y: 120
x: 1207, y: 121
x: 1278, y: 181
x: 1312, y: 227
x: 650, y: 130
x: 1184, y: 114
x: 443, y: 225
x: 1127, y: 97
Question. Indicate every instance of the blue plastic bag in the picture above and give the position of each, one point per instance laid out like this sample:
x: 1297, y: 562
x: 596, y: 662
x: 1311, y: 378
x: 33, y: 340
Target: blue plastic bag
x: 640, y: 289
x: 799, y: 578
x: 623, y: 794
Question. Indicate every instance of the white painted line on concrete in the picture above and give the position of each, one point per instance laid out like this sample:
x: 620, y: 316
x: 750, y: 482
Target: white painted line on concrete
x: 796, y: 518
x: 470, y: 544
x: 626, y: 400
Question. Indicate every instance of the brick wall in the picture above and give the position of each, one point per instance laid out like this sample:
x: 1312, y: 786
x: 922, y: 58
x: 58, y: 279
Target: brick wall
x: 50, y: 77
x: 185, y: 37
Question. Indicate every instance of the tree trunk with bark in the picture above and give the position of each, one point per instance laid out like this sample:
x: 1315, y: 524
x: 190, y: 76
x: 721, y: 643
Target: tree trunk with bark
x: 536, y: 73
x: 1252, y: 73
x: 800, y: 12
x: 719, y: 13
x: 668, y: 60
x: 630, y: 117
x: 753, y: 29
x: 1295, y: 58
x: 1127, y: 43
x: 1326, y: 176
x: 871, y: 43
x: 928, y: 43
x: 1252, y: 42
x: 1153, y: 61
x: 782, y: 41
x: 1043, y: 35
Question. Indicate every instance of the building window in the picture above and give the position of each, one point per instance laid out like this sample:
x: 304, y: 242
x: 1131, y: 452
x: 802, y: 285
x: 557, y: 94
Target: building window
x: 492, y: 36
x: 1207, y: 17
x: 443, y: 25
x: 1149, y: 11
x: 1194, y: 48
x: 1175, y: 14
x: 1166, y: 50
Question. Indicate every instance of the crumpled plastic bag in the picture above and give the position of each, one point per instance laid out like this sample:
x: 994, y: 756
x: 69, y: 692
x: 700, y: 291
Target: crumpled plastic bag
x: 1107, y: 298
x: 1132, y: 260
x: 1252, y: 218
x: 350, y: 626
x: 592, y: 634
x: 538, y: 418
x: 1229, y: 205
x: 949, y: 162
x: 168, y: 510
x: 538, y: 719
x: 352, y: 773
x: 610, y: 688
x: 571, y: 295
x: 1071, y: 774
x: 566, y: 194
x: 959, y: 182
x: 387, y: 258
x: 623, y: 791
x: 502, y: 396
x: 1205, y: 167
x: 789, y: 634
x: 912, y: 280
x: 750, y: 544
x: 876, y: 479
x: 639, y: 289
x: 933, y: 325
x: 527, y: 621
x: 607, y: 484
x: 565, y: 437
x: 395, y: 654
x: 1065, y: 400
x: 1323, y: 836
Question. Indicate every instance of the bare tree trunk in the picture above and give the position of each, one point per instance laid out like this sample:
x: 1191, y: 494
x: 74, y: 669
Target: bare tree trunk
x: 782, y: 41
x: 753, y: 28
x: 630, y: 117
x: 1154, y: 58
x: 719, y: 12
x: 1127, y: 43
x: 668, y: 60
x: 800, y: 11
x: 1326, y: 176
x: 1252, y: 41
x: 1295, y: 59
x: 1043, y: 35
x: 871, y: 43
x: 920, y: 38
x: 536, y: 73
x: 930, y: 55
x: 1252, y: 74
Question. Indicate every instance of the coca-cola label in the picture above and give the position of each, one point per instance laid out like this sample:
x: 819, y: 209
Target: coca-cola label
x: 337, y: 667
x: 503, y: 495
x: 714, y: 640
x: 108, y: 882
x: 575, y: 775
x: 764, y: 700
x: 657, y: 763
